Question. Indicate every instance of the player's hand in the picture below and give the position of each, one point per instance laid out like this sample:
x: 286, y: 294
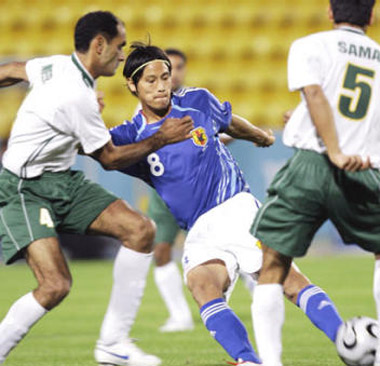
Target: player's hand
x: 351, y: 163
x: 267, y: 139
x: 176, y: 129
x: 286, y: 116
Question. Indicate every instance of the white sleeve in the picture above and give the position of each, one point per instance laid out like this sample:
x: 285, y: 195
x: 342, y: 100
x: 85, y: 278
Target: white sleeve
x: 33, y: 69
x: 39, y: 68
x: 306, y: 63
x: 87, y: 124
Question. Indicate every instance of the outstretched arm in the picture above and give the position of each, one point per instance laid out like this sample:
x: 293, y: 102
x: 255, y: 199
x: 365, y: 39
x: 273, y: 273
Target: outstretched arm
x: 240, y: 128
x: 12, y: 73
x: 173, y: 130
x: 323, y: 119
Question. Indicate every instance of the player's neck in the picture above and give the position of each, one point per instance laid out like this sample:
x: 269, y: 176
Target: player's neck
x: 154, y: 115
x: 342, y: 25
x: 85, y: 59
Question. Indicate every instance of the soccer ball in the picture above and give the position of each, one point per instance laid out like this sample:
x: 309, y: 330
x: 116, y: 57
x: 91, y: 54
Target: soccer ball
x: 356, y: 341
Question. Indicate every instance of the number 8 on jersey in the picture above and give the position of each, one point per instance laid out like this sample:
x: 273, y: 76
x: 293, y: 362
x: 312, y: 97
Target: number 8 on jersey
x: 156, y: 167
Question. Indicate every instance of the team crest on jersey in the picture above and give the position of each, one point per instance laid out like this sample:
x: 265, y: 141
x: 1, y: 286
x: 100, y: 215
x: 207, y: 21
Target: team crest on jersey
x: 199, y: 136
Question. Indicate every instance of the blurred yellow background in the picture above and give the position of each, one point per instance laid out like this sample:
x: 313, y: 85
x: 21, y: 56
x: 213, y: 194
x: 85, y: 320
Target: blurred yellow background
x: 237, y: 49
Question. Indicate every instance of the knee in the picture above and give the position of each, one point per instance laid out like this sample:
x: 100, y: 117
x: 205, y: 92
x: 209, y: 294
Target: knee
x: 146, y: 235
x: 56, y: 289
x: 142, y: 236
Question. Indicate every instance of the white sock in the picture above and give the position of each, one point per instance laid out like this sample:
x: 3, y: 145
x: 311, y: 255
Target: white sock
x: 129, y: 279
x: 268, y: 313
x: 25, y: 312
x: 376, y: 295
x: 169, y: 282
x: 248, y: 281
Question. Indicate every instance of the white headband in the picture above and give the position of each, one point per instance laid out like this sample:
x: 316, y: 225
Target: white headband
x: 148, y: 63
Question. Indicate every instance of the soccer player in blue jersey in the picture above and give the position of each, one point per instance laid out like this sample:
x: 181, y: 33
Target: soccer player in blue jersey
x: 205, y: 190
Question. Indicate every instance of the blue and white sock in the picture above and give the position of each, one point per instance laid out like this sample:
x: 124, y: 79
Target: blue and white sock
x: 228, y: 330
x: 320, y: 310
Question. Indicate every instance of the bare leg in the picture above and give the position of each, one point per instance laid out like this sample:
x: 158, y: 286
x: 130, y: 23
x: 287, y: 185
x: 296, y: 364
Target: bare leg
x: 208, y: 281
x: 49, y: 266
x: 207, y: 284
x: 295, y: 282
x: 133, y: 229
x: 162, y: 254
x: 313, y: 301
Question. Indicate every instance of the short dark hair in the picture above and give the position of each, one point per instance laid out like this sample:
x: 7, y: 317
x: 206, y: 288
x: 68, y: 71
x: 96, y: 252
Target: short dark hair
x: 176, y: 52
x: 141, y: 54
x: 355, y: 12
x: 92, y: 24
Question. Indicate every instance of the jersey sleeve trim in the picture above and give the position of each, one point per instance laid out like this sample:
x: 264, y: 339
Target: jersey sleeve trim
x: 94, y: 147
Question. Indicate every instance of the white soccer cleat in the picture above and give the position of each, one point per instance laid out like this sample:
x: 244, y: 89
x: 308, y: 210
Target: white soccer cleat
x: 125, y: 353
x: 173, y: 325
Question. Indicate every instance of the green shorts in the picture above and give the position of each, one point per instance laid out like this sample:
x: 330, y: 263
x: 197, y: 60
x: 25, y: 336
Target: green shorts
x: 307, y: 191
x: 167, y: 227
x: 32, y: 209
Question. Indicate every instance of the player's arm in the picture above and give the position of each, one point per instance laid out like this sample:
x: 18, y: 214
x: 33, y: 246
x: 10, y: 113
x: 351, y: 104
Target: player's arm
x: 173, y: 130
x: 323, y: 119
x: 12, y: 73
x: 225, y: 139
x: 242, y: 129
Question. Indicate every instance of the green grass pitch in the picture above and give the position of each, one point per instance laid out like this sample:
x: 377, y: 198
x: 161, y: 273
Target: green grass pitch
x: 66, y: 336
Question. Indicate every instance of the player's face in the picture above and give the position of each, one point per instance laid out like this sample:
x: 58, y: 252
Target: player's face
x: 113, y: 53
x: 178, y: 71
x: 154, y: 87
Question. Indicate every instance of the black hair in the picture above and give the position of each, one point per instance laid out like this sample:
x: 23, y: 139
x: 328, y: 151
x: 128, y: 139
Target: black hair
x: 92, y: 24
x: 355, y: 12
x: 141, y: 54
x: 176, y: 52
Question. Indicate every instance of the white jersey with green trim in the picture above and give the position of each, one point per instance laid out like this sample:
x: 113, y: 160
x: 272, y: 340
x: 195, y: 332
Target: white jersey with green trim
x: 346, y: 64
x: 59, y: 115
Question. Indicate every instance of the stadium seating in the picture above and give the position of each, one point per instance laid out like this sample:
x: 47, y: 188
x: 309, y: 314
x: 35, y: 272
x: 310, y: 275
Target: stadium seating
x: 236, y: 49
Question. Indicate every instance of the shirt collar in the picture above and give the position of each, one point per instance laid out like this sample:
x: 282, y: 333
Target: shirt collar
x: 352, y: 29
x: 87, y: 78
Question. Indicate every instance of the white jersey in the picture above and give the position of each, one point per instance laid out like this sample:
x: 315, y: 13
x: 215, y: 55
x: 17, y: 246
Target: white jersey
x: 59, y: 115
x: 346, y: 64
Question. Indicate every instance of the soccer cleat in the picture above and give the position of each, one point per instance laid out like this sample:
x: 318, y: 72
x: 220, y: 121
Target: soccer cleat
x: 244, y: 363
x: 173, y: 325
x: 123, y: 354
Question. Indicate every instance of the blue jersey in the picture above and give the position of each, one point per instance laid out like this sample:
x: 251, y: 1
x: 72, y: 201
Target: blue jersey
x: 191, y: 176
